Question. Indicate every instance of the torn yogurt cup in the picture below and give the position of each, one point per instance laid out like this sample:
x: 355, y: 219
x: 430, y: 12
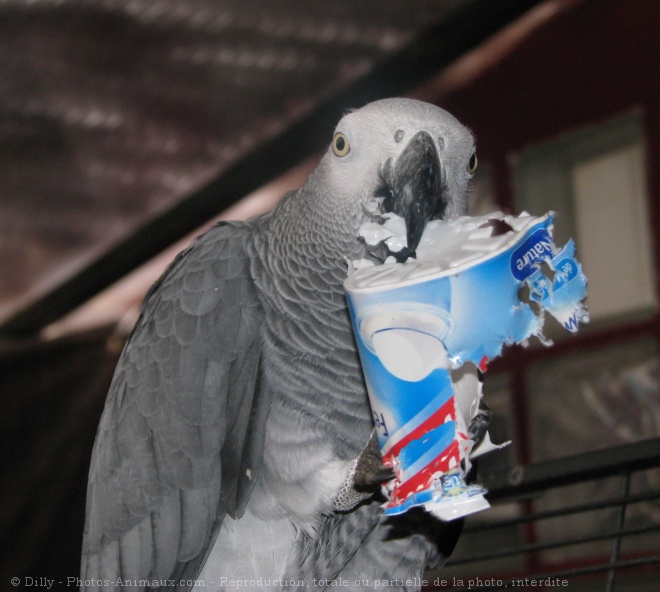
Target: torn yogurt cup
x: 425, y: 326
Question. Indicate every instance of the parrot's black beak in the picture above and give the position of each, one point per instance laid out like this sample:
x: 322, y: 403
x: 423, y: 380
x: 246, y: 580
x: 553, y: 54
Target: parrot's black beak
x: 414, y: 189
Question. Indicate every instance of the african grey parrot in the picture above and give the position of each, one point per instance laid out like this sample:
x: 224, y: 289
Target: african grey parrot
x: 236, y: 443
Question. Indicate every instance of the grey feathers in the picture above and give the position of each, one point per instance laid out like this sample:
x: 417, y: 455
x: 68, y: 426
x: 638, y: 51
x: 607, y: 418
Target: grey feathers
x: 171, y: 434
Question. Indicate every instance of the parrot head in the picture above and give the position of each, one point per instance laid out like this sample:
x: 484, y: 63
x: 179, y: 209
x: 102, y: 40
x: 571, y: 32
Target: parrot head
x: 404, y: 157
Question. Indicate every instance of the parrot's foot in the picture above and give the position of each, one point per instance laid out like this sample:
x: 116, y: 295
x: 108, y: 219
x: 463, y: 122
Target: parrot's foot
x: 480, y: 422
x: 348, y: 496
x: 370, y: 471
x: 366, y: 475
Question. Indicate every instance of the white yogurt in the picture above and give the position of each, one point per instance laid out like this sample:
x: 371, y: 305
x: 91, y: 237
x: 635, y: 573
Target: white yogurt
x: 447, y: 246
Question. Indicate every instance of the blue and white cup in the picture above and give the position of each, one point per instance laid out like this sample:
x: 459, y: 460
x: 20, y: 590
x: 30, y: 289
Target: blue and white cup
x: 415, y: 324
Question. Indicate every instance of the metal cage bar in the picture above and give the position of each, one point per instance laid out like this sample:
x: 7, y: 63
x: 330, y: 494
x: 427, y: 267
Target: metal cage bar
x: 525, y: 484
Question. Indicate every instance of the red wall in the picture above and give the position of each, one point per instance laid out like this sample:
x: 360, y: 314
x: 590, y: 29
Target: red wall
x: 593, y: 62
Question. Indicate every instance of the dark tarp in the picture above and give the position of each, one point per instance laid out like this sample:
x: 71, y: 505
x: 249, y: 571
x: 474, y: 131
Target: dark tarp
x: 52, y: 397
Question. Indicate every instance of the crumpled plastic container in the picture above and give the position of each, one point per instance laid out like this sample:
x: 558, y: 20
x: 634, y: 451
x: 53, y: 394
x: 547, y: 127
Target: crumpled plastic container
x: 417, y: 325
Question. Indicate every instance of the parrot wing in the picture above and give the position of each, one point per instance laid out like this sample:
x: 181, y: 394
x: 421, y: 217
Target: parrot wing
x: 181, y: 437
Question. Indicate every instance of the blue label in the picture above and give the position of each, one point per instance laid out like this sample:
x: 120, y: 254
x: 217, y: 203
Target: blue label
x: 565, y: 271
x: 526, y: 257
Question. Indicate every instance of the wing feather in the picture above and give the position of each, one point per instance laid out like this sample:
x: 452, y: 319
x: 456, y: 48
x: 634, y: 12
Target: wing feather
x: 132, y: 563
x: 166, y: 527
x: 182, y: 422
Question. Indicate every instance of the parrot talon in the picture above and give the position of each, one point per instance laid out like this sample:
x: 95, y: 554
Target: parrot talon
x: 371, y: 472
x: 480, y: 423
x: 365, y: 477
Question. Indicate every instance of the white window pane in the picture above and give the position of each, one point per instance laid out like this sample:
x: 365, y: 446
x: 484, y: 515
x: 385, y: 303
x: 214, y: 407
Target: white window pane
x: 613, y: 232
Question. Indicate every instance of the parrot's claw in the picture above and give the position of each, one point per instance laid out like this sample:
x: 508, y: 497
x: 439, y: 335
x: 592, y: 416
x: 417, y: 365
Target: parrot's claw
x: 480, y: 423
x: 365, y: 477
x: 371, y: 472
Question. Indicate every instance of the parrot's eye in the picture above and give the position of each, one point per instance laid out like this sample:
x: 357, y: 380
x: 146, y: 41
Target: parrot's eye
x: 340, y: 145
x: 472, y: 163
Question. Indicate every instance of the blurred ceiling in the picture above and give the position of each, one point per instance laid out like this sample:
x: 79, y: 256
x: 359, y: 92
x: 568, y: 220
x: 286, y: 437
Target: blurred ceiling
x: 127, y: 124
